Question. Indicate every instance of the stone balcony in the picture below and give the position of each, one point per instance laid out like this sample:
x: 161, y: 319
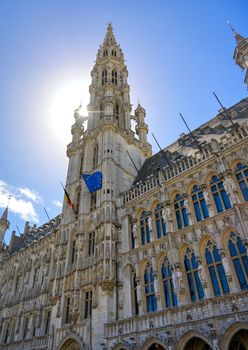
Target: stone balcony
x: 180, y: 166
x: 28, y: 344
x: 232, y: 305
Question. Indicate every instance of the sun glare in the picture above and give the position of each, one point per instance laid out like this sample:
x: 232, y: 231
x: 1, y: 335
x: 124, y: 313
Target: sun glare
x: 67, y: 98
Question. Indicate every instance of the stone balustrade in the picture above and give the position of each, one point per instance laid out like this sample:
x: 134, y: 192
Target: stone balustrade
x: 182, y: 165
x: 194, y: 312
x: 34, y: 343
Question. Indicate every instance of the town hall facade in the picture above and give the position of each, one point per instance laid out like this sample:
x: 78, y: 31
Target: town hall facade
x: 157, y: 258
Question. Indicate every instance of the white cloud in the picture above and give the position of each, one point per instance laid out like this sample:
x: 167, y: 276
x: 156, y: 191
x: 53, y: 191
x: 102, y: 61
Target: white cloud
x: 18, y: 202
x: 31, y: 194
x: 57, y: 203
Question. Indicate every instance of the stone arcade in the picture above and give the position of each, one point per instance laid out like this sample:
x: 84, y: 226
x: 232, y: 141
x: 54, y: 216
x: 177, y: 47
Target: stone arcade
x: 155, y: 261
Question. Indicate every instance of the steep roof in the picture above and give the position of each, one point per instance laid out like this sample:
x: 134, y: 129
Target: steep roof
x: 186, y: 146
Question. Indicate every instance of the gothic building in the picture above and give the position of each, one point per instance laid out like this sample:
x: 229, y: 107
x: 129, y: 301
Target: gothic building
x: 155, y: 259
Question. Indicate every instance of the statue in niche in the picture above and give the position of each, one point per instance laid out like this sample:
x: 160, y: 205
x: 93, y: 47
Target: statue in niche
x: 149, y: 221
x: 107, y: 268
x: 177, y: 278
x: 156, y: 285
x: 230, y: 188
x: 201, y: 273
x: 225, y: 265
x: 138, y: 291
x: 107, y: 251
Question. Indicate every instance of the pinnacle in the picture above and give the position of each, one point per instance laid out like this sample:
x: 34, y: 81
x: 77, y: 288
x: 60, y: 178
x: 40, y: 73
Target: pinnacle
x: 109, y: 37
x: 237, y: 36
x: 5, y: 214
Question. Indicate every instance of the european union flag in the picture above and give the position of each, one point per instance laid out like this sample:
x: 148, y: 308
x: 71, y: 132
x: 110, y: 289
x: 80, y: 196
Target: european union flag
x: 93, y: 181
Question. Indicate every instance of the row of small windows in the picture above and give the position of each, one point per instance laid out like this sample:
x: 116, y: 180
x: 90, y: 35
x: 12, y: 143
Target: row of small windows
x: 194, y: 275
x: 220, y: 197
x: 106, y: 52
x: 29, y: 327
x: 114, y: 77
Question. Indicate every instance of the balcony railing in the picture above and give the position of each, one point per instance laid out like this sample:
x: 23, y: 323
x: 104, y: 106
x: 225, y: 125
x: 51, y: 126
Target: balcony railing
x: 194, y: 312
x: 226, y: 141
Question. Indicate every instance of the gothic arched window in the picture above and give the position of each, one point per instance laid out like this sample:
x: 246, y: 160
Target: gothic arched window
x: 221, y: 199
x: 181, y: 212
x: 200, y: 206
x: 216, y: 270
x: 239, y: 258
x: 105, y: 53
x: 116, y: 112
x: 104, y: 76
x: 169, y: 293
x: 113, y: 52
x: 95, y: 156
x: 160, y: 224
x: 151, y: 300
x: 78, y: 200
x: 191, y: 268
x: 242, y: 177
x: 135, y: 305
x: 114, y: 77
x: 144, y: 228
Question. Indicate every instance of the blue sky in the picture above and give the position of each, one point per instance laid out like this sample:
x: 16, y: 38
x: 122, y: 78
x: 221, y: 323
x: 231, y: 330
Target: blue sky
x: 177, y: 53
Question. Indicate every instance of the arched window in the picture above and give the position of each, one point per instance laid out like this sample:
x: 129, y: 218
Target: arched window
x: 239, y: 258
x: 101, y: 111
x: 169, y: 294
x: 114, y: 77
x: 200, y: 206
x: 216, y: 270
x: 116, y: 112
x: 113, y: 52
x: 221, y: 199
x: 151, y: 300
x: 92, y: 202
x: 181, y: 212
x: 160, y: 224
x: 105, y: 53
x: 104, y: 76
x: 78, y: 200
x: 242, y: 177
x: 144, y: 228
x: 191, y: 268
x: 135, y: 305
x: 95, y: 156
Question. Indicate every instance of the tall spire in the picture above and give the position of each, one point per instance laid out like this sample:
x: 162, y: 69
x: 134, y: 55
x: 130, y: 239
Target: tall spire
x: 237, y: 36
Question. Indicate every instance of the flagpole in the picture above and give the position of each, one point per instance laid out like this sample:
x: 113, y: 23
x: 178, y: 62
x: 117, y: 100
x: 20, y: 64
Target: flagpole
x: 66, y: 193
x: 136, y: 168
x: 46, y: 214
x: 193, y: 137
x: 162, y: 151
x: 224, y: 108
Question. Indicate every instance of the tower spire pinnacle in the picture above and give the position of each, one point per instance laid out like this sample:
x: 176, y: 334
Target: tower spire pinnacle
x: 237, y: 36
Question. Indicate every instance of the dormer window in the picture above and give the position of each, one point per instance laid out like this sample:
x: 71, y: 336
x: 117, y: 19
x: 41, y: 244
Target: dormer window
x: 105, y: 53
x: 114, y: 77
x: 113, y: 53
x: 104, y: 77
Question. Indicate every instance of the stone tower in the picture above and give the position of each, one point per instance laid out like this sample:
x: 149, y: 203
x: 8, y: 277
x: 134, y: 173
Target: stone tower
x: 103, y: 147
x: 241, y: 53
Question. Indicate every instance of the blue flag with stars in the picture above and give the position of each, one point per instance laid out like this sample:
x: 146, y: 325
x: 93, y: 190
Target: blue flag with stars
x: 93, y: 181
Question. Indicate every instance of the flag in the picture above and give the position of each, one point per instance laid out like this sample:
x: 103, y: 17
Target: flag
x: 93, y: 181
x: 67, y: 199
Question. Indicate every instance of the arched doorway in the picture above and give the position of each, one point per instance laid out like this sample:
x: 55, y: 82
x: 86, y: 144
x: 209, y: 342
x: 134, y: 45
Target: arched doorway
x: 196, y: 343
x: 70, y: 344
x: 156, y: 347
x: 239, y: 341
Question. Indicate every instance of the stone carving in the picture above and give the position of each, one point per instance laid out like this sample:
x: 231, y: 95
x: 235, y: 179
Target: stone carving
x: 230, y: 188
x: 226, y: 265
x: 138, y: 291
x: 177, y: 278
x: 156, y: 286
x: 201, y: 273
